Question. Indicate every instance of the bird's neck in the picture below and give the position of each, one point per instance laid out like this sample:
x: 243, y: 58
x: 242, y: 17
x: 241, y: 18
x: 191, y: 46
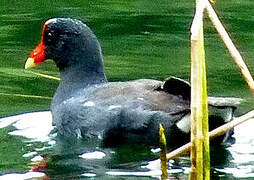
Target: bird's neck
x: 76, y: 78
x: 79, y: 76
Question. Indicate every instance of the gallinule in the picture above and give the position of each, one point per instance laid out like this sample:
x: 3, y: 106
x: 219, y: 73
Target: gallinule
x: 86, y: 104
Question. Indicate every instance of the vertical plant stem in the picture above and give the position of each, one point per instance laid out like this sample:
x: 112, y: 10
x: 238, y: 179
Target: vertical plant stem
x: 205, y: 124
x: 200, y: 161
x: 163, y: 153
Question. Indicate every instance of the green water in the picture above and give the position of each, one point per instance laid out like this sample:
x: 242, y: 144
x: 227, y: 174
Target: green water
x: 139, y: 39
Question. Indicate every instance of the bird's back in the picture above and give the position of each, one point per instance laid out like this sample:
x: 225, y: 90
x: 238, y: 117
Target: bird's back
x: 132, y: 109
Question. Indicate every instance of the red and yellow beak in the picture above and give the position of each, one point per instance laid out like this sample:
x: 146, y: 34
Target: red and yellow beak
x: 37, y: 56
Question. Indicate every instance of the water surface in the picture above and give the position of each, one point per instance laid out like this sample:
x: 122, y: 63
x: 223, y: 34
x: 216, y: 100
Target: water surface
x: 139, y: 39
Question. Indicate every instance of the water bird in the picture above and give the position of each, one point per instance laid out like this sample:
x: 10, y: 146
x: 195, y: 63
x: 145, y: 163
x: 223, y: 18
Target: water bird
x: 86, y: 105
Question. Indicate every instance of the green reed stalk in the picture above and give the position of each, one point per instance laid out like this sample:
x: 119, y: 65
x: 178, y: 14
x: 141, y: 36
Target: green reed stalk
x: 200, y: 157
x: 163, y: 153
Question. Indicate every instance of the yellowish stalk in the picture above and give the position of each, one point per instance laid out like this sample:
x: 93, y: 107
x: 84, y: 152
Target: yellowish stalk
x: 200, y: 161
x: 230, y: 45
x: 24, y: 95
x: 163, y: 153
x: 205, y: 126
x: 45, y: 76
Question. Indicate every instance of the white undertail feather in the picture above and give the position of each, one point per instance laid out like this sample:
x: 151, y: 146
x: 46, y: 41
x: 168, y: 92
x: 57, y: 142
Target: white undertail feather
x: 224, y: 112
x: 184, y: 124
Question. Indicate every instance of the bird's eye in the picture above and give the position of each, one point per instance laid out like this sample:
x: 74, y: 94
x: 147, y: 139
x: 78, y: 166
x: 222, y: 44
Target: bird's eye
x: 49, y: 34
x: 50, y: 37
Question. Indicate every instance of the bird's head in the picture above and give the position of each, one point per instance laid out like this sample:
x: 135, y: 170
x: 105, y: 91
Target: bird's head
x: 67, y: 42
